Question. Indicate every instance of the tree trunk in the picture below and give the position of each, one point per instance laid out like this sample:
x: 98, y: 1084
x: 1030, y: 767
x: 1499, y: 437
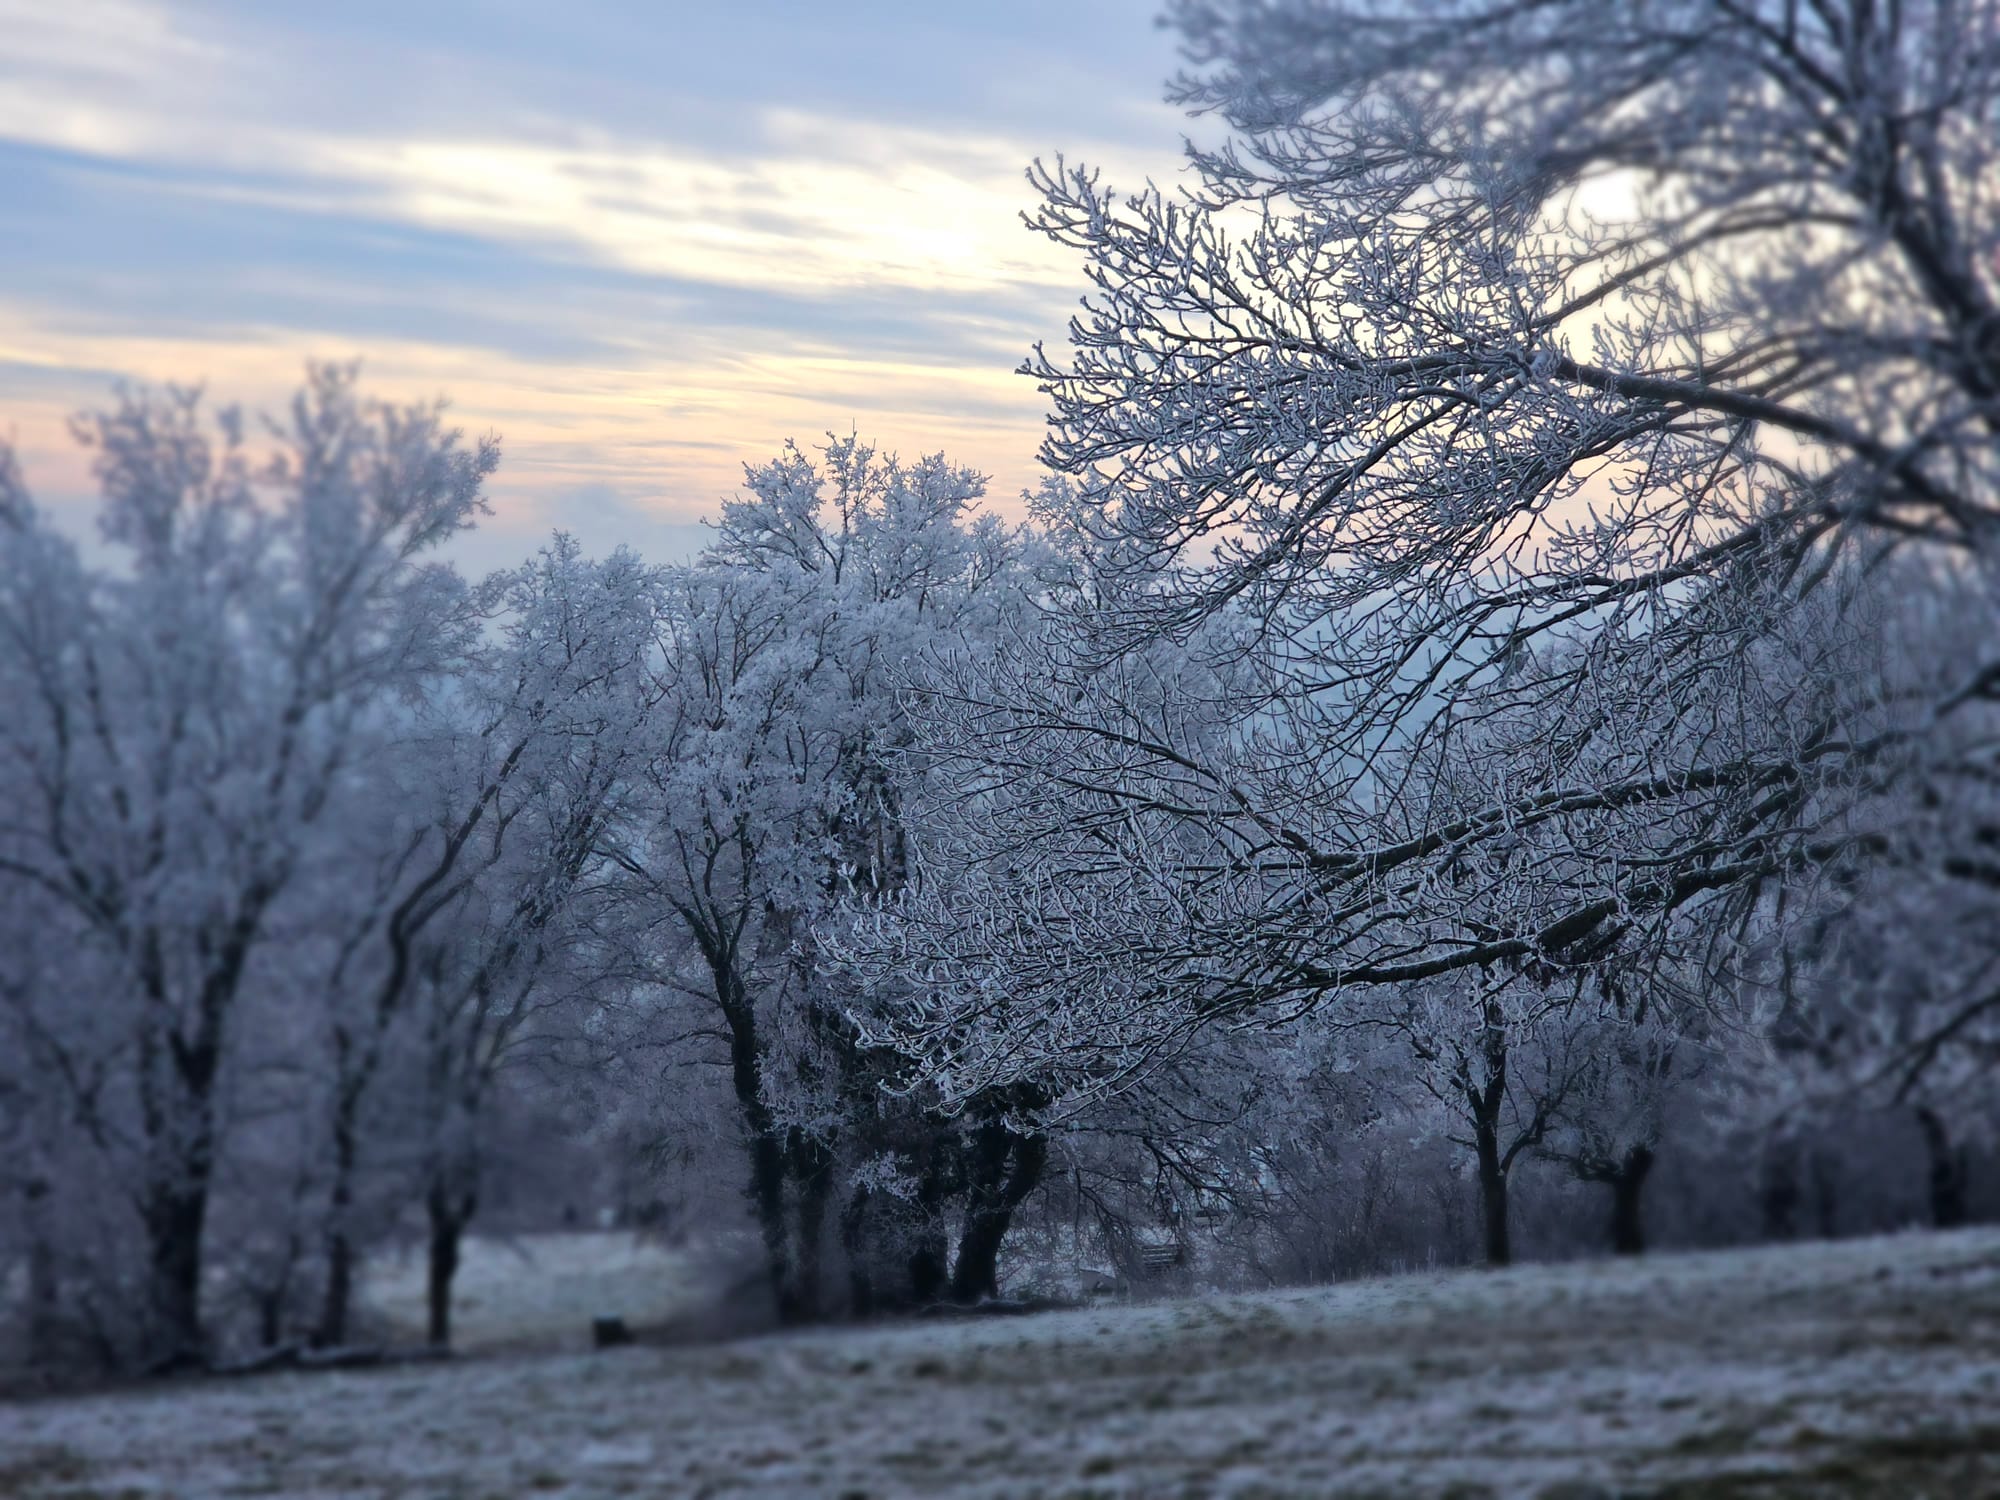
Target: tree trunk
x: 1949, y: 1170
x: 1487, y: 1101
x: 1628, y: 1185
x: 330, y: 1331
x: 177, y: 1078
x: 929, y: 1263
x: 270, y: 1317
x: 175, y: 1214
x: 854, y: 1246
x: 1825, y: 1196
x: 996, y: 1193
x: 767, y: 1196
x: 449, y: 1214
x: 1778, y: 1194
x: 812, y: 1171
x: 1493, y: 1194
x: 44, y: 1282
x: 766, y: 1189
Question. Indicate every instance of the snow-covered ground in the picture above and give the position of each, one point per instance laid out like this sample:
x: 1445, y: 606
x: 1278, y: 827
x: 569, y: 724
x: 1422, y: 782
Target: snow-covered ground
x: 1865, y: 1368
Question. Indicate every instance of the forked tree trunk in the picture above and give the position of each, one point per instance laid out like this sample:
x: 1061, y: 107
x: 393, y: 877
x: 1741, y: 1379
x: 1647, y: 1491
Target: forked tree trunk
x: 997, y: 1190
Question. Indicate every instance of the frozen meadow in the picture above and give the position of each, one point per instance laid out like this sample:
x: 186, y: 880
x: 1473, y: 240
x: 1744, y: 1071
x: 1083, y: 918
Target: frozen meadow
x: 1865, y: 1367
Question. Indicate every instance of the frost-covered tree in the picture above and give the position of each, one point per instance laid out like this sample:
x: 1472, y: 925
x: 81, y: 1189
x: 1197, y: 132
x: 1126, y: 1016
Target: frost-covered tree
x: 1505, y: 401
x: 1496, y: 1057
x: 522, y: 940
x: 452, y: 890
x: 1884, y: 997
x: 767, y: 799
x: 180, y: 719
x: 1642, y: 1051
x: 63, y: 1180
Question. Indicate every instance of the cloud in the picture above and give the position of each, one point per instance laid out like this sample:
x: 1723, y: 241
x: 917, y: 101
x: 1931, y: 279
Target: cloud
x: 644, y: 243
x: 801, y: 218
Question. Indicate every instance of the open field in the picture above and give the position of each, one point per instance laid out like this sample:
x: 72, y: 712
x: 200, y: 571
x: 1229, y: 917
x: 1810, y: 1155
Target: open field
x: 1867, y: 1368
x: 534, y: 1291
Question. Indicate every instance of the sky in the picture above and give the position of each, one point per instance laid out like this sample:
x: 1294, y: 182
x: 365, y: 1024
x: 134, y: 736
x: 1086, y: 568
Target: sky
x: 643, y: 242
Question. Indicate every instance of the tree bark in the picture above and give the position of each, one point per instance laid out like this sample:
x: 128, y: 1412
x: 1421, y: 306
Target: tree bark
x: 1493, y: 1193
x: 1628, y: 1184
x: 1949, y: 1171
x: 44, y: 1283
x: 812, y: 1172
x: 177, y: 1104
x: 1778, y: 1193
x: 929, y: 1262
x: 854, y: 1246
x: 175, y: 1214
x: 330, y: 1331
x: 177, y: 1077
x: 996, y: 1191
x: 1487, y: 1101
x: 1825, y: 1195
x: 766, y: 1188
x: 449, y: 1214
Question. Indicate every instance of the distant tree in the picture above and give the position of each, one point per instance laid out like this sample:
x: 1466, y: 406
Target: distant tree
x: 1639, y: 1054
x: 459, y: 876
x: 1884, y: 998
x: 178, y: 724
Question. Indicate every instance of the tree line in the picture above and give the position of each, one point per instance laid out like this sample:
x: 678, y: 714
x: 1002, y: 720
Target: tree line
x: 1500, y: 670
